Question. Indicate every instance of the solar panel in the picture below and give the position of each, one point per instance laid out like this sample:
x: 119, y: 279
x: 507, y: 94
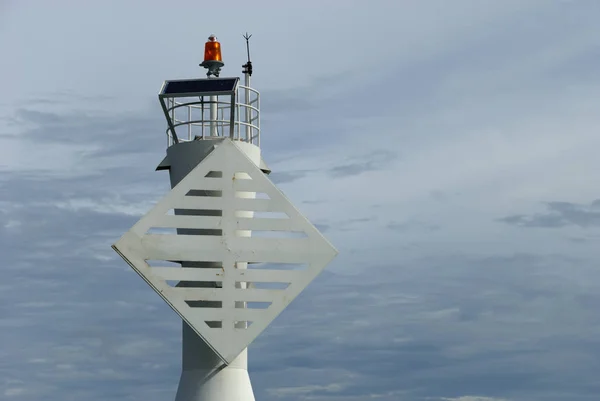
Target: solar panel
x: 214, y: 86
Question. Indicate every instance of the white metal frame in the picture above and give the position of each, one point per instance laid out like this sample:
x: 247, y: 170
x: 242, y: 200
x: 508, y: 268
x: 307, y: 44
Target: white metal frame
x: 241, y: 118
x: 137, y: 246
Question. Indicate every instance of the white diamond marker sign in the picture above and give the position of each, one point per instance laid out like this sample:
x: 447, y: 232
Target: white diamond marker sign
x: 216, y: 251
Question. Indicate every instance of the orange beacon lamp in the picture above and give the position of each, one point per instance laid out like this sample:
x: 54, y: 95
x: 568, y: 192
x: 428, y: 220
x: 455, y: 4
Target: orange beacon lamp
x: 212, y: 57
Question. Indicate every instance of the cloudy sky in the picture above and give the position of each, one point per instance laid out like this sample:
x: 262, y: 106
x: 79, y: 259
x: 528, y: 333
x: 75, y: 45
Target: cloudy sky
x: 449, y: 149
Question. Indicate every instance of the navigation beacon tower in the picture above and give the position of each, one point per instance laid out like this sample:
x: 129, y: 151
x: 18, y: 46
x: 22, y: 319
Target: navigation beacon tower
x: 225, y: 249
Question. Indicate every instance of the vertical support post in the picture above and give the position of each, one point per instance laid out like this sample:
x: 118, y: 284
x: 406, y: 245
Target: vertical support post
x: 202, y: 115
x: 189, y: 123
x: 173, y: 115
x: 258, y: 120
x: 243, y: 233
x: 213, y: 116
x: 203, y: 376
x: 248, y: 114
x: 232, y: 115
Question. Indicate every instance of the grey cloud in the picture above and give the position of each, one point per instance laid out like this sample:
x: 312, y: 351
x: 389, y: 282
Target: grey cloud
x: 360, y: 220
x: 313, y: 202
x: 446, y: 327
x: 139, y: 137
x: 585, y: 239
x: 412, y: 225
x: 356, y: 221
x: 285, y: 102
x: 538, y: 220
x: 378, y: 160
x: 311, y: 97
x: 316, y: 115
x: 66, y: 282
x: 516, y: 327
x: 559, y: 214
x: 286, y: 177
x: 409, y: 89
x: 352, y: 224
x: 441, y: 196
x: 105, y: 135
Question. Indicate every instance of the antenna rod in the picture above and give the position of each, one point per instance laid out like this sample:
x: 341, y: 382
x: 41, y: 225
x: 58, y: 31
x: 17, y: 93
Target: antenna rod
x: 247, y: 70
x: 247, y: 37
x: 248, y: 66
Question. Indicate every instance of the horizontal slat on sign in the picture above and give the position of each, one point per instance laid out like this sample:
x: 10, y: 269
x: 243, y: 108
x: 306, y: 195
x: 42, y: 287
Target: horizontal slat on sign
x: 249, y: 204
x: 185, y: 221
x: 188, y: 274
x: 268, y: 276
x: 208, y: 274
x: 261, y: 224
x: 185, y: 254
x: 194, y: 248
x: 225, y: 295
x: 182, y: 248
x: 230, y: 314
x: 276, y: 256
x: 267, y: 245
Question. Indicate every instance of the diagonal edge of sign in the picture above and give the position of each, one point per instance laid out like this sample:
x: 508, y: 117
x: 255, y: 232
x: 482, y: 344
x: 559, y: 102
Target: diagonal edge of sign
x: 178, y: 190
x: 276, y: 195
x: 289, y: 295
x: 123, y: 249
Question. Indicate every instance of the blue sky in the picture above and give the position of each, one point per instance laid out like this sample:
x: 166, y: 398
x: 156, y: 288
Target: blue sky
x: 448, y: 150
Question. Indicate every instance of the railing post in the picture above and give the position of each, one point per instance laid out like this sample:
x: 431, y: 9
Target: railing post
x: 189, y: 122
x: 232, y: 115
x: 202, y: 116
x: 173, y: 113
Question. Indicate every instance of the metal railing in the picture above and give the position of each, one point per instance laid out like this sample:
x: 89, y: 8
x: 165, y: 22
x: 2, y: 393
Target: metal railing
x: 192, y: 118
